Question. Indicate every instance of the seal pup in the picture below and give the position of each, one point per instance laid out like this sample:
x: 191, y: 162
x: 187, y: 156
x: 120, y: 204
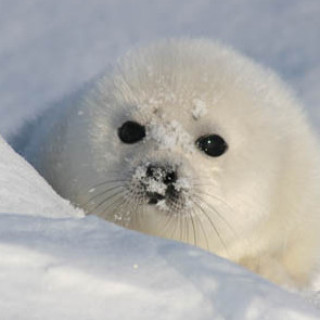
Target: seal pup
x: 189, y: 140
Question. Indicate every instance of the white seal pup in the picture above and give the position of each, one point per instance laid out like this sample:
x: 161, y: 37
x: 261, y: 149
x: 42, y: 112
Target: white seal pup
x: 189, y: 140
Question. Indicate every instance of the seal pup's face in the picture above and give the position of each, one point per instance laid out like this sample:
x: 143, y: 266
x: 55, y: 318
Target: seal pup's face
x: 185, y: 145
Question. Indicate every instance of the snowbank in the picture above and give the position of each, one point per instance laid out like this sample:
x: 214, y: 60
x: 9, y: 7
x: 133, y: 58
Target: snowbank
x: 89, y: 269
x: 22, y: 190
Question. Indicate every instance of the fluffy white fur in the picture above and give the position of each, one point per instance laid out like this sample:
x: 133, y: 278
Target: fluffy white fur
x: 258, y: 204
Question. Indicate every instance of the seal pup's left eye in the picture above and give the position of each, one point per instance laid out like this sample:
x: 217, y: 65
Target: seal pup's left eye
x: 131, y: 132
x: 213, y: 145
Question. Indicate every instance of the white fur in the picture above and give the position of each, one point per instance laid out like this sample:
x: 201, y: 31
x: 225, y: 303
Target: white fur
x: 258, y: 204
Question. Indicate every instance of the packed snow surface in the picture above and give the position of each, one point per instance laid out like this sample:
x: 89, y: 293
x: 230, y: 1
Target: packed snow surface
x: 57, y: 264
x: 22, y: 190
x: 89, y: 269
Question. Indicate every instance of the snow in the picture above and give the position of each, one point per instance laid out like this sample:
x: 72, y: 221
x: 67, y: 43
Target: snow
x: 170, y: 135
x: 86, y: 268
x: 199, y: 109
x: 22, y: 190
x: 57, y: 264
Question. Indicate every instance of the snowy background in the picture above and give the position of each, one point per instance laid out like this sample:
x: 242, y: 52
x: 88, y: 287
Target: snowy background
x: 72, y: 267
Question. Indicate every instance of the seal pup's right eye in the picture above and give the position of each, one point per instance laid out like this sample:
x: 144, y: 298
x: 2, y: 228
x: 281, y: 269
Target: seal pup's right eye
x: 131, y: 132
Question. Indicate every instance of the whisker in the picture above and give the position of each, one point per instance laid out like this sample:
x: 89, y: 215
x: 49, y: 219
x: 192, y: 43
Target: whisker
x: 203, y: 230
x: 106, y: 182
x: 121, y: 207
x: 137, y: 210
x: 116, y: 208
x: 214, y: 196
x: 99, y: 194
x: 193, y: 228
x: 187, y: 222
x: 179, y: 222
x: 180, y: 226
x: 140, y: 213
x: 166, y: 225
x: 173, y: 227
x: 213, y: 226
x: 104, y: 201
x: 197, y: 196
x: 174, y: 219
x: 118, y: 203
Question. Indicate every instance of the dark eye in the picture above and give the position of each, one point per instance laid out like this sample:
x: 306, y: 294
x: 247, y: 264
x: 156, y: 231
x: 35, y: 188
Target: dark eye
x: 213, y: 145
x: 131, y: 132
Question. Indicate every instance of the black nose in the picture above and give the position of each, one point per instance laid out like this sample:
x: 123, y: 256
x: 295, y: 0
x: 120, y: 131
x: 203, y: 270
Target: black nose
x: 160, y: 173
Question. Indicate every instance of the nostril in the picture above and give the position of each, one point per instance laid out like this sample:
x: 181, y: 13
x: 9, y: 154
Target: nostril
x: 150, y: 171
x: 170, y: 177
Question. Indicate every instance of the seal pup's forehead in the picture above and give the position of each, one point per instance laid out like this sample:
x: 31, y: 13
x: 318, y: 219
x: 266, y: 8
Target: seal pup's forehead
x: 181, y: 73
x: 196, y: 81
x: 169, y: 73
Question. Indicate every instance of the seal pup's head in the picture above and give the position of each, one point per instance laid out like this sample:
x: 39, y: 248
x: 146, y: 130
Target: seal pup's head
x: 189, y: 140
